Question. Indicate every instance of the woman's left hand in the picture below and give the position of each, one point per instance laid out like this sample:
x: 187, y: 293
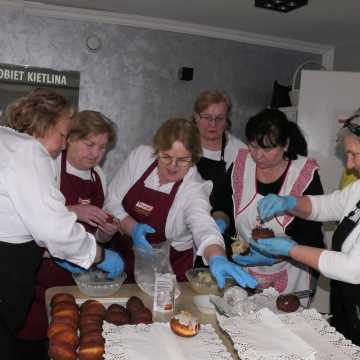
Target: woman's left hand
x: 221, y: 268
x: 254, y: 258
x: 278, y: 246
x: 89, y: 214
x: 111, y: 228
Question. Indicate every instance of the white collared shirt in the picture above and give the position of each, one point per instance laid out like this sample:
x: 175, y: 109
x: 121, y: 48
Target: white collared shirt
x: 232, y: 148
x: 32, y: 207
x: 189, y: 219
x: 341, y: 265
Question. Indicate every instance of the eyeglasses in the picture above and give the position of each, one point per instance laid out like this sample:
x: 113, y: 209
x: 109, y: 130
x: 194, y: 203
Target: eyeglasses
x: 355, y: 129
x: 208, y: 118
x: 181, y: 162
x: 353, y: 155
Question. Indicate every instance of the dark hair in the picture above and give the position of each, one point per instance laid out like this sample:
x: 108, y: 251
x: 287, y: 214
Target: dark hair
x: 270, y: 128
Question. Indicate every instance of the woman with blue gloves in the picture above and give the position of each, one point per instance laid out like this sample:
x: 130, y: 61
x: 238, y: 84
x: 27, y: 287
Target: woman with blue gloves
x: 274, y: 162
x: 342, y: 263
x: 34, y: 215
x: 211, y: 114
x: 158, y: 195
x: 83, y: 184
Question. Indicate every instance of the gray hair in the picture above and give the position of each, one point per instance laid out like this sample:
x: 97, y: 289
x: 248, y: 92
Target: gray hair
x: 353, y: 120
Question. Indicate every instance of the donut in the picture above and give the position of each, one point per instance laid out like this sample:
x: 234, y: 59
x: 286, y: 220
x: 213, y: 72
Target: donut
x: 117, y: 318
x: 262, y: 233
x: 91, y: 337
x: 62, y: 297
x: 88, y: 328
x: 69, y: 337
x: 86, y: 320
x: 57, y: 327
x: 67, y: 320
x: 93, y: 307
x: 143, y: 316
x: 287, y: 303
x: 65, y: 309
x: 93, y: 350
x: 62, y: 351
x: 116, y: 308
x: 184, y: 324
x: 134, y: 304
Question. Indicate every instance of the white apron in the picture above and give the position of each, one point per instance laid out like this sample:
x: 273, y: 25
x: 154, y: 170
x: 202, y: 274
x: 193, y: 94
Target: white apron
x: 284, y: 276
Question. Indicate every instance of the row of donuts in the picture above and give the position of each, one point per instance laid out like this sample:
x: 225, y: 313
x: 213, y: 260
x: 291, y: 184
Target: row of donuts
x: 75, y: 332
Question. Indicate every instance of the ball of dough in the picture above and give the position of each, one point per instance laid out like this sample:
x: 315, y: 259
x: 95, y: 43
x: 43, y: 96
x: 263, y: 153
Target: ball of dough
x: 262, y: 233
x: 287, y: 303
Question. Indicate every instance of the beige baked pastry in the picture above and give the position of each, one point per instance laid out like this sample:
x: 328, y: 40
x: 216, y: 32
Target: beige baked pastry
x: 240, y: 247
x: 184, y: 324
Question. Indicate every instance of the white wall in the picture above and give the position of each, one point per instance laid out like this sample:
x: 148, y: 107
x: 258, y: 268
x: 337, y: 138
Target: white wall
x: 326, y: 96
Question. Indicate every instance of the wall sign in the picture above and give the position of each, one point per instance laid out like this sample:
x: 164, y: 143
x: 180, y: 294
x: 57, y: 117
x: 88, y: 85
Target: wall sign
x: 17, y: 80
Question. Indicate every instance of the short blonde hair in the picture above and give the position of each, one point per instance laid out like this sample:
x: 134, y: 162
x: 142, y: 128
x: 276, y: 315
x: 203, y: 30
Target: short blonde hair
x: 37, y: 112
x: 88, y: 122
x: 182, y: 130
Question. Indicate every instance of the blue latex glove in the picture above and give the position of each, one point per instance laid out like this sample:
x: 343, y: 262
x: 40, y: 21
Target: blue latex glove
x: 221, y: 225
x: 254, y: 258
x: 113, y: 264
x: 278, y: 246
x: 273, y: 204
x: 69, y: 266
x: 138, y: 233
x: 221, y: 268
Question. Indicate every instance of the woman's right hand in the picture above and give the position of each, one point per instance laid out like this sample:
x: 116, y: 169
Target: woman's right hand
x: 273, y: 204
x: 138, y: 233
x: 89, y: 214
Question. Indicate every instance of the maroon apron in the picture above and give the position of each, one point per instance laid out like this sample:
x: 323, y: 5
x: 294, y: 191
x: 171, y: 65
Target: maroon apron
x: 151, y: 207
x: 49, y: 275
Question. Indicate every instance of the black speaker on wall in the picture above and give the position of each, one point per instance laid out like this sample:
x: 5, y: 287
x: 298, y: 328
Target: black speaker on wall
x: 186, y: 73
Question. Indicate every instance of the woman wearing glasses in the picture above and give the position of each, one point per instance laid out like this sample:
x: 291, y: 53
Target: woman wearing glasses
x: 219, y: 149
x: 275, y: 163
x: 341, y: 264
x: 159, y: 196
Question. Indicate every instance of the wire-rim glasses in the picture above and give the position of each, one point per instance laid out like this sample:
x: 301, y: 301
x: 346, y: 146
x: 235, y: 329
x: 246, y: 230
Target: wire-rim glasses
x: 181, y: 161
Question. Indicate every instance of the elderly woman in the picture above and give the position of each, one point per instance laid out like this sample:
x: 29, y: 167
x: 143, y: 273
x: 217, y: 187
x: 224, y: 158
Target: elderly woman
x: 211, y: 115
x: 34, y: 215
x: 274, y: 162
x: 83, y: 184
x: 341, y: 264
x: 159, y: 196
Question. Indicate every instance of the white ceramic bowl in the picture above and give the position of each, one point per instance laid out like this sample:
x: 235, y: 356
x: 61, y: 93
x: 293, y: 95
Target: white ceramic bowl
x: 94, y: 283
x: 203, y: 304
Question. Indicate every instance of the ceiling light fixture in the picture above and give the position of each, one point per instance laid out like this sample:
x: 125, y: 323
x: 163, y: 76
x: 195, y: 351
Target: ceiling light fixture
x: 280, y: 5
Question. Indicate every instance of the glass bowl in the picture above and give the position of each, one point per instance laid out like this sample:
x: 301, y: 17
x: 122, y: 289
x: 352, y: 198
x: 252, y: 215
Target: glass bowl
x: 94, y: 283
x: 202, y: 282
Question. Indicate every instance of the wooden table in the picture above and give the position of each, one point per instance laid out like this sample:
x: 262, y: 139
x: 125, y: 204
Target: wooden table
x: 184, y: 302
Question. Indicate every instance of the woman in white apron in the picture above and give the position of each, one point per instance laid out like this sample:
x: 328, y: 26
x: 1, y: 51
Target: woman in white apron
x: 274, y: 163
x: 341, y: 264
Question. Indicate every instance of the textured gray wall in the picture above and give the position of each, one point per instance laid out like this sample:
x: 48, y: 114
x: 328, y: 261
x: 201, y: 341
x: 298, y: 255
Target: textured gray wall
x: 133, y: 77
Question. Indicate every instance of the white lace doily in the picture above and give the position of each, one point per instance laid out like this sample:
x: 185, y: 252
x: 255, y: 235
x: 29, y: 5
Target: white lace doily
x: 232, y: 306
x: 157, y: 342
x: 309, y: 325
